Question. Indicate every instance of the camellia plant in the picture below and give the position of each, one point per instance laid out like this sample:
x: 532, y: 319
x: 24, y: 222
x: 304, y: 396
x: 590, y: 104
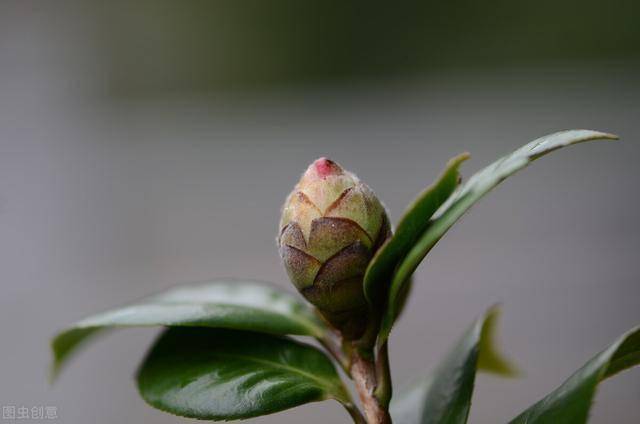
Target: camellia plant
x: 227, y: 351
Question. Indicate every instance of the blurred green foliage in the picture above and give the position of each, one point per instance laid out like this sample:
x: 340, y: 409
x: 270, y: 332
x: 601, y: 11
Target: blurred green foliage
x: 201, y: 45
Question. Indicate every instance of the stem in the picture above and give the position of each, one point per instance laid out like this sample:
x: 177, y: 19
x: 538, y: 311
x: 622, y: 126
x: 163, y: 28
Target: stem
x: 355, y: 413
x: 339, y: 350
x: 384, y: 388
x: 371, y: 374
x: 363, y: 372
x: 335, y: 348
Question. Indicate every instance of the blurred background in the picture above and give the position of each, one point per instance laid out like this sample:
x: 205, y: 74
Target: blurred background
x: 149, y: 143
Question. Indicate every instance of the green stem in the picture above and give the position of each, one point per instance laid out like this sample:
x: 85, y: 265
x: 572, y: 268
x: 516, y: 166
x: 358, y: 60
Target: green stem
x: 384, y: 388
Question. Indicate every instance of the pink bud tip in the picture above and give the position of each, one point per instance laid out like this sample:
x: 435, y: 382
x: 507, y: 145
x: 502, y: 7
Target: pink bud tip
x: 325, y: 167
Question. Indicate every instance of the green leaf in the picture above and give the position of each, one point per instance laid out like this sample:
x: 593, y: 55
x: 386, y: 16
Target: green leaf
x: 445, y: 397
x: 412, y: 224
x: 219, y: 374
x: 570, y: 403
x: 231, y: 304
x: 467, y: 195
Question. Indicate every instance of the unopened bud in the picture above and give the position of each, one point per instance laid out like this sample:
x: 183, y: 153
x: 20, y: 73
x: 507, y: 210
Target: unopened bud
x: 331, y: 226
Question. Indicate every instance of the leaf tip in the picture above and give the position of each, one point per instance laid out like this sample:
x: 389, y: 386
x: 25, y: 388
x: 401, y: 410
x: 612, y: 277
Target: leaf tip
x: 457, y: 160
x: 606, y: 136
x: 53, y: 373
x: 56, y: 361
x: 491, y: 360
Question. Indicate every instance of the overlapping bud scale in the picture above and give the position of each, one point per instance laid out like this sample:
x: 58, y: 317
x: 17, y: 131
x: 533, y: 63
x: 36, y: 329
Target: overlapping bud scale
x: 331, y: 226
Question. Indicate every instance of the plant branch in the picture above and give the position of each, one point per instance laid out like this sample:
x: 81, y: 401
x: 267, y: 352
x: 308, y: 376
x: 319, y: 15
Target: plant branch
x: 355, y: 413
x: 384, y: 388
x: 363, y: 372
x: 333, y: 343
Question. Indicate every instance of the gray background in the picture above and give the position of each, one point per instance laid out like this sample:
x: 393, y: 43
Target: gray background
x: 106, y: 198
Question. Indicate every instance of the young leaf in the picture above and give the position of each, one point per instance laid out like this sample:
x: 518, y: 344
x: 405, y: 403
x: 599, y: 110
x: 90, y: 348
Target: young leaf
x: 463, y: 198
x: 412, y: 224
x: 570, y: 403
x: 445, y: 397
x: 232, y: 304
x: 219, y: 374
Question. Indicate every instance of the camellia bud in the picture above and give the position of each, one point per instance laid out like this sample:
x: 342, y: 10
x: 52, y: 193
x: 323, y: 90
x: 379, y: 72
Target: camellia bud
x: 331, y: 226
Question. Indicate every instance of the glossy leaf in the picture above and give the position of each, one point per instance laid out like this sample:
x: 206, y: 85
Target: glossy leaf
x: 445, y: 397
x: 232, y: 304
x: 570, y: 403
x: 219, y: 374
x: 467, y: 195
x: 412, y: 224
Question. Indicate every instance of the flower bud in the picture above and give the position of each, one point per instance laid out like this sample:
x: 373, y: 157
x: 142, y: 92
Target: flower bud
x: 331, y: 226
